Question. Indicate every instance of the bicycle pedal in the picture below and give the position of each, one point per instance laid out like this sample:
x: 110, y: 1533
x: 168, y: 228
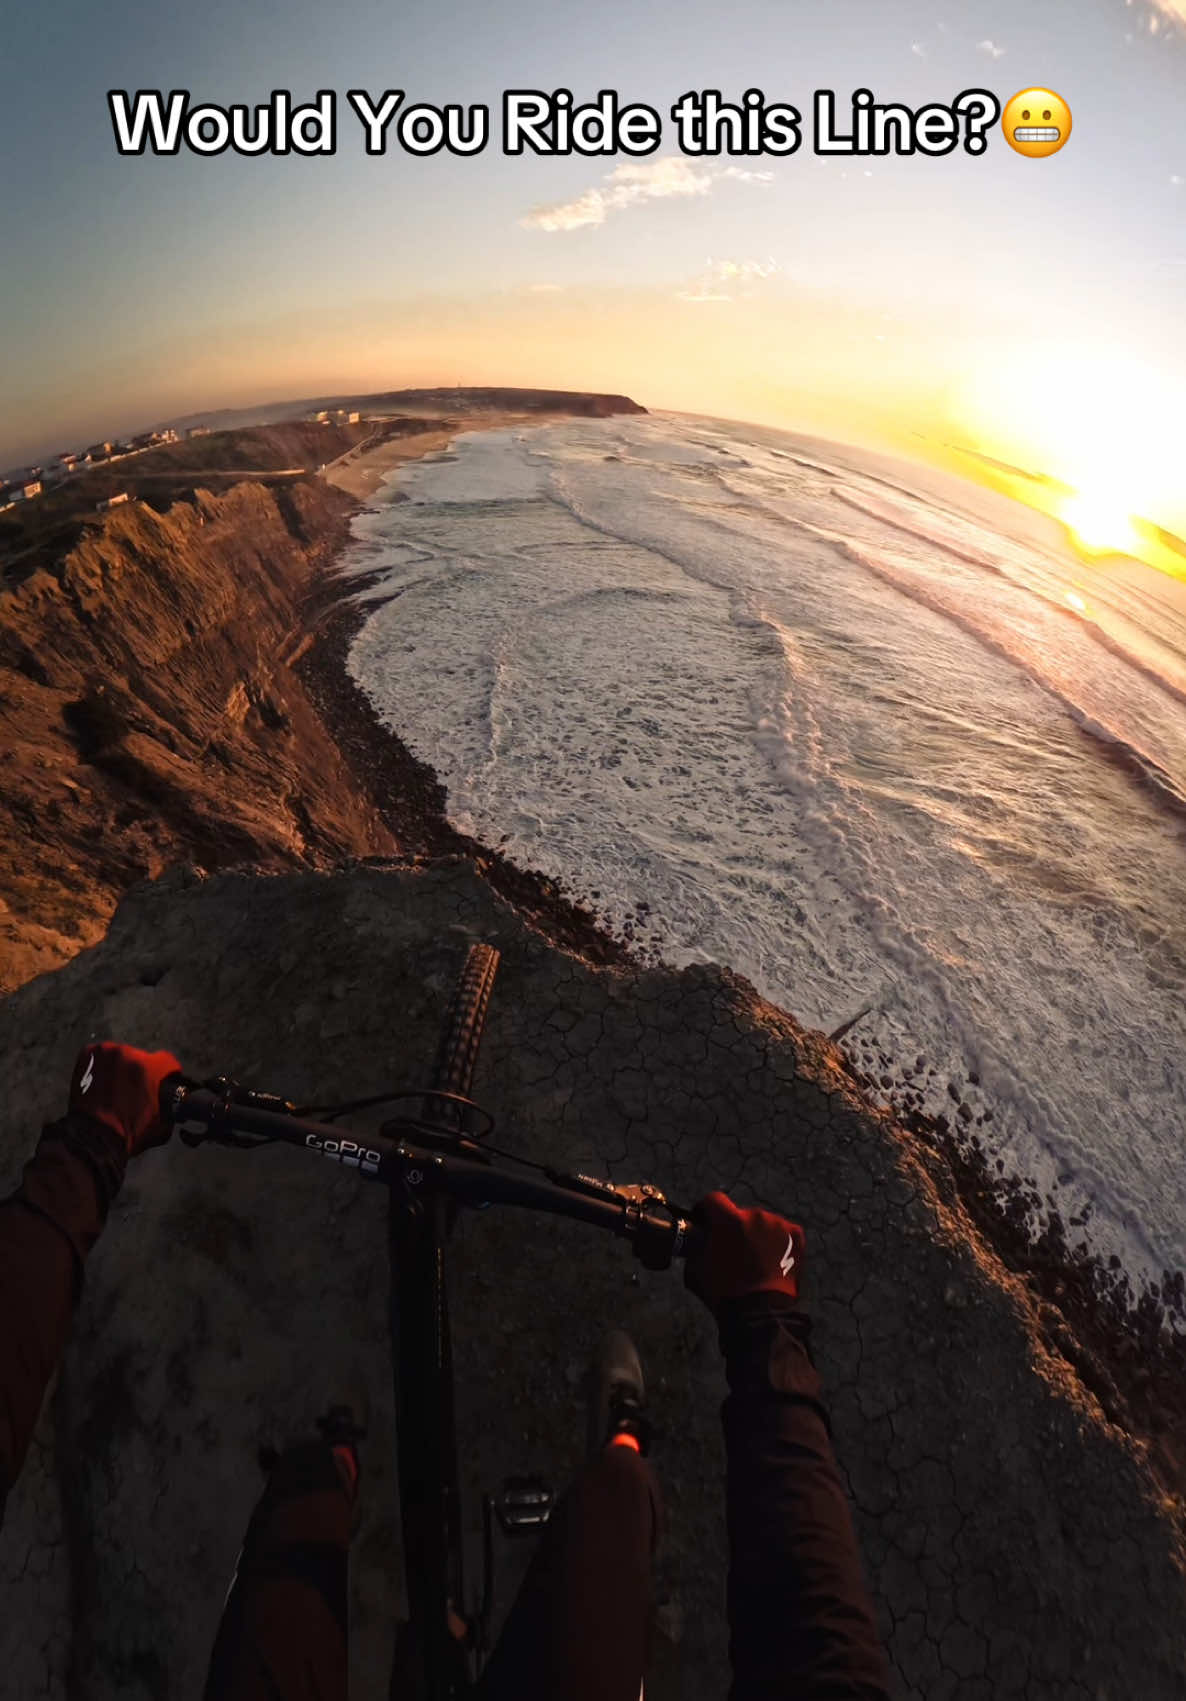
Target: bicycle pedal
x: 524, y: 1506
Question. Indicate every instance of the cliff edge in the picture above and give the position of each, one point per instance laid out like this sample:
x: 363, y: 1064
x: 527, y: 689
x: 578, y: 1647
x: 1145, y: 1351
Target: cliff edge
x: 1016, y: 1544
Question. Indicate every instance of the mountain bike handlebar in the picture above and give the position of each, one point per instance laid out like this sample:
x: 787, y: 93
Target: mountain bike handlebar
x: 415, y: 1159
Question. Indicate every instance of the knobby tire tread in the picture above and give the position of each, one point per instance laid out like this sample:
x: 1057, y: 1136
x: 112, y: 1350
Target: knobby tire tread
x: 461, y: 1035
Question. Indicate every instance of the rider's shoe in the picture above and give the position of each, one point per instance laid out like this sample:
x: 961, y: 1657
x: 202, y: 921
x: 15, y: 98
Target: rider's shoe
x: 299, y: 1467
x: 344, y: 1424
x: 617, y: 1395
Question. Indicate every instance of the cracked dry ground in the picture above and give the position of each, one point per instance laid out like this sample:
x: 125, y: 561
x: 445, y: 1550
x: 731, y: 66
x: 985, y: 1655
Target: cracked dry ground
x: 1016, y: 1545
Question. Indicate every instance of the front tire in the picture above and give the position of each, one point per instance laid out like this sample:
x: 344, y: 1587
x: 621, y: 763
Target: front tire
x: 462, y: 1032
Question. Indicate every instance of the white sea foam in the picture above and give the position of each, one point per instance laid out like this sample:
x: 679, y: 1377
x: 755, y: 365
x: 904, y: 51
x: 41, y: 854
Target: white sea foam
x: 838, y: 728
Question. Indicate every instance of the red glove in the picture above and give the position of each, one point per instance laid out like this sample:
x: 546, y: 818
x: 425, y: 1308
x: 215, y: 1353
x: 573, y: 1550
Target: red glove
x: 121, y: 1088
x: 743, y: 1252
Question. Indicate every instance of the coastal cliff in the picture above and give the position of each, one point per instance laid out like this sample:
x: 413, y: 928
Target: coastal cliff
x: 152, y: 704
x: 172, y: 693
x: 148, y: 710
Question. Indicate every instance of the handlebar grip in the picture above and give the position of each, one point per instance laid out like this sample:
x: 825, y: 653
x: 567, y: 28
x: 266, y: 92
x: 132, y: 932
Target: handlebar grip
x: 175, y: 1096
x: 660, y: 1239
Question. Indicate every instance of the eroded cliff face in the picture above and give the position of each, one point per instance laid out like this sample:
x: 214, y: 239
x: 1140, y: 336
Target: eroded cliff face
x: 148, y: 709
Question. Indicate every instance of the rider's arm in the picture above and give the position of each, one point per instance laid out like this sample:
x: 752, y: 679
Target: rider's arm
x: 48, y: 1226
x: 800, y: 1615
x: 799, y: 1612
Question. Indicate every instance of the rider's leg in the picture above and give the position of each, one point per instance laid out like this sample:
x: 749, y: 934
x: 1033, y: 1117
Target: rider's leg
x: 283, y: 1628
x: 579, y: 1628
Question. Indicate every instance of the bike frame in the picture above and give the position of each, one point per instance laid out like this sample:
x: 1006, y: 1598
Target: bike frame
x: 429, y: 1657
x: 429, y: 1164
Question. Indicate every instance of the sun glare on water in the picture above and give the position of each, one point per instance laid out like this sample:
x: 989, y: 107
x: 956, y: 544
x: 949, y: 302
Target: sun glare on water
x: 1099, y: 526
x: 1100, y: 429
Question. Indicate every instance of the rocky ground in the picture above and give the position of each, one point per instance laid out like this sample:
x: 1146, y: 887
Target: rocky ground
x: 1017, y: 1544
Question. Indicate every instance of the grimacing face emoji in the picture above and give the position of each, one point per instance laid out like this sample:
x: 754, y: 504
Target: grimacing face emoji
x: 1036, y: 122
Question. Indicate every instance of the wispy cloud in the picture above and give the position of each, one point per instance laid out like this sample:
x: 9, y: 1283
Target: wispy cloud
x: 1173, y: 11
x: 631, y: 184
x: 728, y: 280
x: 742, y: 174
x: 991, y: 49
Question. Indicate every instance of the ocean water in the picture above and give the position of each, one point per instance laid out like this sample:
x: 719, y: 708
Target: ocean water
x: 867, y: 734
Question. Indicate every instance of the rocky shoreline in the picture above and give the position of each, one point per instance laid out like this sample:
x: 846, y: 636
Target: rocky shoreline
x: 407, y: 793
x: 1129, y: 1350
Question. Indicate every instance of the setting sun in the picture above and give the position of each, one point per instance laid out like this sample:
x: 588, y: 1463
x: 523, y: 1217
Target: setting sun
x: 1096, y: 421
x: 1099, y: 525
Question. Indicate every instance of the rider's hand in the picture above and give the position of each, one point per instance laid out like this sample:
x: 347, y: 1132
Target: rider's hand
x: 121, y: 1088
x: 743, y: 1252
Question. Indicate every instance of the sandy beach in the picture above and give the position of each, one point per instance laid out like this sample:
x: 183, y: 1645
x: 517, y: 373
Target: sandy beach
x: 362, y: 470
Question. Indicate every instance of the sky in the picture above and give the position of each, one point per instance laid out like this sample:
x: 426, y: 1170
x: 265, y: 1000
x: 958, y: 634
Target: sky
x: 1028, y: 308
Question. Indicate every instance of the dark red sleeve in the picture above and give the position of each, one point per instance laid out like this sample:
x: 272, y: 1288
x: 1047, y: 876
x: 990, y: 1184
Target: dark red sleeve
x: 800, y: 1615
x: 47, y: 1227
